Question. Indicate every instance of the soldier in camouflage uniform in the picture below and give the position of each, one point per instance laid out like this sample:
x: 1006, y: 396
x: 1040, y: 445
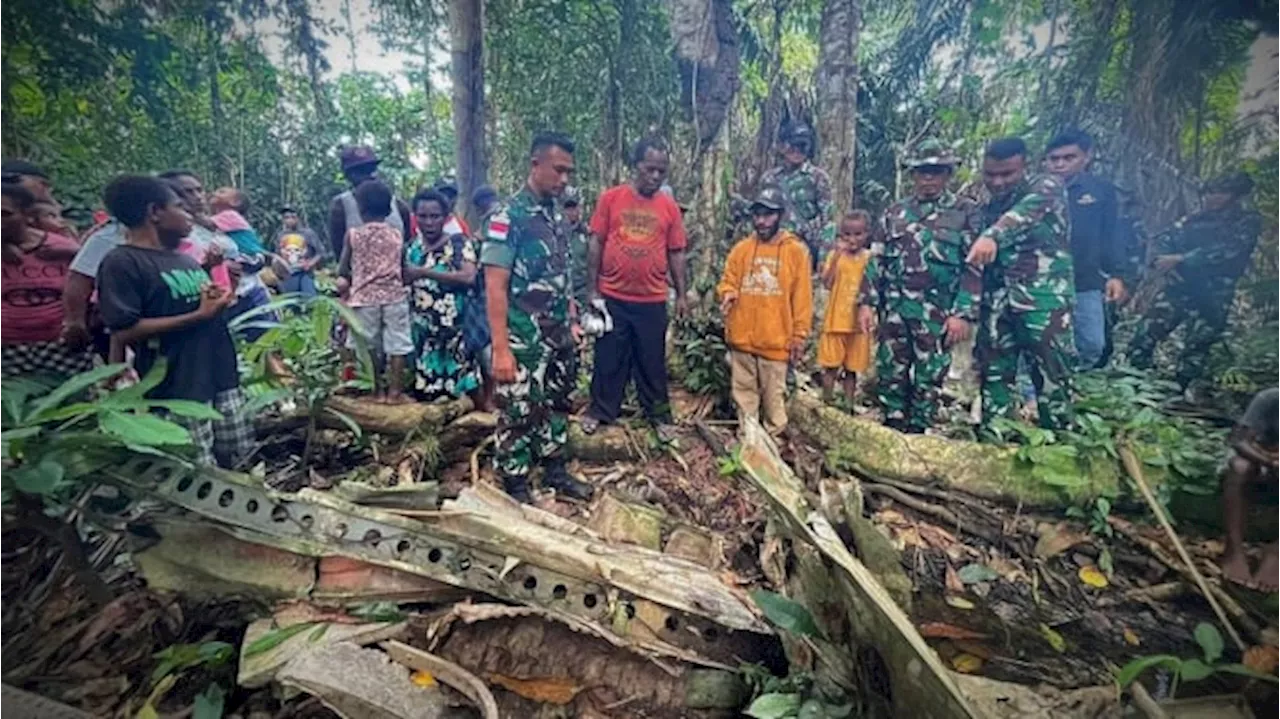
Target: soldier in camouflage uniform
x: 1205, y: 254
x: 576, y: 226
x: 808, y: 192
x: 526, y: 257
x: 910, y: 288
x: 1026, y: 293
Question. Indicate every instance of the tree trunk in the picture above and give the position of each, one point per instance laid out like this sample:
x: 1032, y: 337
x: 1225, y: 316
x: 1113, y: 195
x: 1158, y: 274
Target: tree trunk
x: 989, y: 471
x: 466, y: 29
x: 213, y: 30
x: 837, y: 85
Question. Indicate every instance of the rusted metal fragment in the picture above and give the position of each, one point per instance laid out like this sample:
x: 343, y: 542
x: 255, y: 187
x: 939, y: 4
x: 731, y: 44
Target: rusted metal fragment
x: 482, y: 543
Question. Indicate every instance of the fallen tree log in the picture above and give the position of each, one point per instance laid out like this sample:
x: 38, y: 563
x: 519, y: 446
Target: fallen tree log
x: 920, y: 685
x: 984, y: 470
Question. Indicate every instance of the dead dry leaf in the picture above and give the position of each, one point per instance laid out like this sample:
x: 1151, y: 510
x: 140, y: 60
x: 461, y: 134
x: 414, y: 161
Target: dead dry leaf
x: 1093, y: 577
x: 423, y: 679
x: 958, y: 602
x: 1055, y: 539
x: 966, y: 664
x: 942, y: 630
x: 1054, y: 639
x: 1262, y: 658
x: 1131, y: 637
x: 952, y: 580
x: 549, y: 690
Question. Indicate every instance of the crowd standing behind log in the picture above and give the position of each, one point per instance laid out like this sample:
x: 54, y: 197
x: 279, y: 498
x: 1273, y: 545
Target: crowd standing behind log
x: 1026, y: 262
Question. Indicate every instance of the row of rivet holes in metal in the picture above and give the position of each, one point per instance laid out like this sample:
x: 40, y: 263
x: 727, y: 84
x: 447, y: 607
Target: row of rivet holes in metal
x: 373, y: 538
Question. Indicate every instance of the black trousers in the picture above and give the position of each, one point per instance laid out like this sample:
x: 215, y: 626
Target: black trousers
x: 635, y: 349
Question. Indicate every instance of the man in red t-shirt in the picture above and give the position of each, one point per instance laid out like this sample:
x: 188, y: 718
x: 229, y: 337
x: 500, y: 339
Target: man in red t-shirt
x: 637, y: 239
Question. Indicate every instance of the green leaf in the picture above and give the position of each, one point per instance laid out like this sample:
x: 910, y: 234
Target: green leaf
x: 318, y: 634
x: 42, y: 477
x: 137, y: 393
x: 345, y: 419
x: 208, y: 704
x: 774, y: 706
x: 786, y: 613
x: 975, y: 572
x: 10, y: 435
x: 378, y: 612
x: 1193, y: 670
x: 144, y: 429
x: 1210, y: 641
x: 274, y: 638
x: 14, y: 393
x: 1134, y: 669
x: 72, y: 387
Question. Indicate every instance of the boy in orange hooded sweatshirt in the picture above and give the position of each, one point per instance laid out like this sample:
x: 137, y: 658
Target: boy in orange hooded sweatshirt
x: 766, y: 297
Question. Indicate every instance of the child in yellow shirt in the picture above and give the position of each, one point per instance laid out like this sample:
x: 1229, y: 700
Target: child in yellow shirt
x: 842, y: 343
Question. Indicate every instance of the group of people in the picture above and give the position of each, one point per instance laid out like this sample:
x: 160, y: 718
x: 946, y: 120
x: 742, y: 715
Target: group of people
x: 1027, y: 263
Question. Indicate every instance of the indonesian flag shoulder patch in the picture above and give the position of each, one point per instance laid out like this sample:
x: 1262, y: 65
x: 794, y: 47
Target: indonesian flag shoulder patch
x: 499, y: 226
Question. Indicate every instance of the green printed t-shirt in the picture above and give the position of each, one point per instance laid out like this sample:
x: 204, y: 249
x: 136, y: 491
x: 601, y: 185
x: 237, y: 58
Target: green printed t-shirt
x: 137, y: 283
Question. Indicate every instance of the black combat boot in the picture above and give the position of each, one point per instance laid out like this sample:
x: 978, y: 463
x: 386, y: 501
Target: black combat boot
x: 518, y: 489
x: 558, y: 478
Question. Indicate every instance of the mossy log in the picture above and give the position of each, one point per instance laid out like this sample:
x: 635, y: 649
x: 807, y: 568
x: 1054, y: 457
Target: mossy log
x: 985, y: 470
x: 393, y: 419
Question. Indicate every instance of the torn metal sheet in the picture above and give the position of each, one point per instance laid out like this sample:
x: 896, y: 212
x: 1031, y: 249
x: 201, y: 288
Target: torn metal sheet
x: 921, y: 686
x: 638, y: 593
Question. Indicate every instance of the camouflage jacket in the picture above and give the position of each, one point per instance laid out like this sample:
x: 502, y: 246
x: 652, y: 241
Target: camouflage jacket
x: 579, y: 237
x: 1032, y: 269
x: 921, y: 261
x: 808, y: 192
x: 529, y: 237
x: 1215, y: 246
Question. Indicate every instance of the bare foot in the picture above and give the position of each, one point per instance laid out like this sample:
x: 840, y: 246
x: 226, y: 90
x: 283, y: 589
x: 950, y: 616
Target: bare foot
x: 1235, y: 568
x: 1266, y: 578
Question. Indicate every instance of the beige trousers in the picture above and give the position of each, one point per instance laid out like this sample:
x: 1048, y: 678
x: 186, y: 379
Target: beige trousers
x: 758, y: 381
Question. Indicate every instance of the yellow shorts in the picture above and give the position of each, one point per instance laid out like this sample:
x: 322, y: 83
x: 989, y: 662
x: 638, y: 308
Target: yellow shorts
x: 851, y: 350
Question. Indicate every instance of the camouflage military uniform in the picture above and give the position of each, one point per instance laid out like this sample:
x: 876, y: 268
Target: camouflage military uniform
x: 1215, y: 246
x: 912, y: 282
x: 528, y: 236
x: 808, y: 192
x: 1027, y: 296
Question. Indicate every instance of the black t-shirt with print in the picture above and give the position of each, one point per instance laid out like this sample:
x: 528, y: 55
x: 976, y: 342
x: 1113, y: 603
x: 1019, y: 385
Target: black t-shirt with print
x: 136, y: 283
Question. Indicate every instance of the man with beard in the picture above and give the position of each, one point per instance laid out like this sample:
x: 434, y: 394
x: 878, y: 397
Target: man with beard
x: 526, y: 277
x: 1027, y: 291
x: 911, y: 287
x: 163, y: 304
x: 637, y: 239
x: 766, y: 297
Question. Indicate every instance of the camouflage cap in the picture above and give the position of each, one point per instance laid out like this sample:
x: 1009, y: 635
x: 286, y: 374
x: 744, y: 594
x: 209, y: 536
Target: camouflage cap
x: 1238, y: 184
x: 770, y: 198
x: 931, y: 151
x: 571, y: 196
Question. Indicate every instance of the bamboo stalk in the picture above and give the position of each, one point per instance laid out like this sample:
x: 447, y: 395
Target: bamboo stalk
x: 1134, y: 468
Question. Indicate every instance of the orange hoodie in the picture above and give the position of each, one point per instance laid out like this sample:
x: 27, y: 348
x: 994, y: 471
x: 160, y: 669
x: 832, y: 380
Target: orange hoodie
x: 774, y: 291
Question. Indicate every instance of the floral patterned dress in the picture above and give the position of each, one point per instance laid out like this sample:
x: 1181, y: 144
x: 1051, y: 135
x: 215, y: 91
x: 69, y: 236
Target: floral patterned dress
x: 442, y: 367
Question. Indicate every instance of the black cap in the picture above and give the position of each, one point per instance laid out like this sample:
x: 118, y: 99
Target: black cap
x: 22, y: 167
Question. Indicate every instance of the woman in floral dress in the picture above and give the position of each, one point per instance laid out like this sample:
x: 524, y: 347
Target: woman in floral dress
x: 441, y: 271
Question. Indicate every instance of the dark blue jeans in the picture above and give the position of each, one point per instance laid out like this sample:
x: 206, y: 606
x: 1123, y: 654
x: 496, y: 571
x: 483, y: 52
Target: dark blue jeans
x: 303, y: 283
